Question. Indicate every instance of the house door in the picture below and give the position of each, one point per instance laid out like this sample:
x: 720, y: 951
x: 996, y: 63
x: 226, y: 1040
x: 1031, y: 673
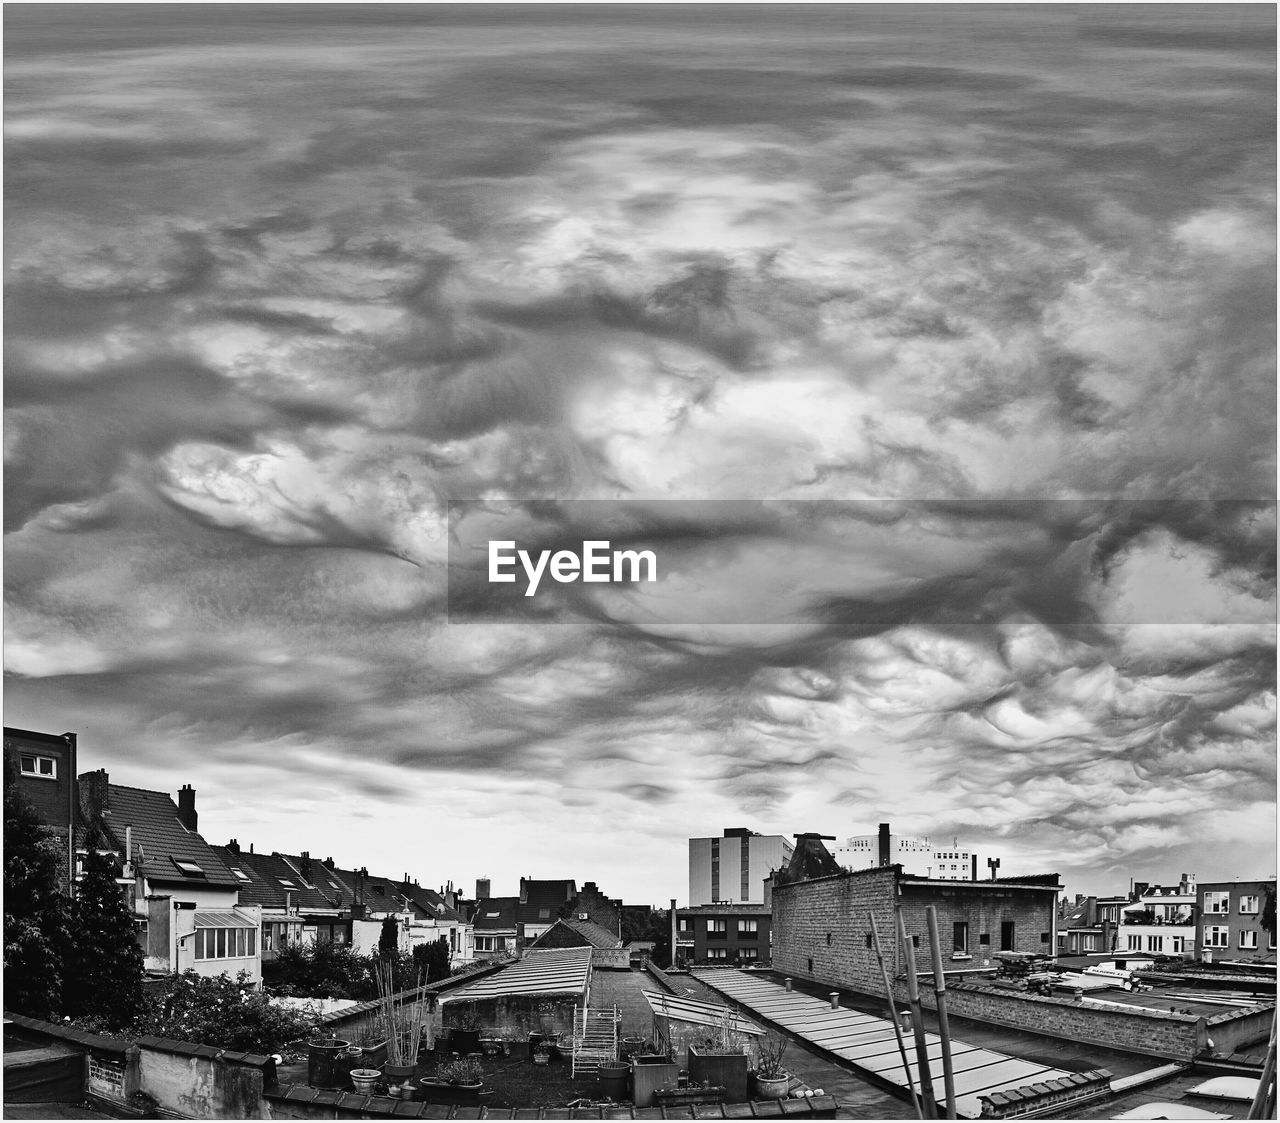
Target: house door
x: 1006, y: 935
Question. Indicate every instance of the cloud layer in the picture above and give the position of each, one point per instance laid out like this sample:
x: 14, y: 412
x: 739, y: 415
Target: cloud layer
x: 1000, y: 283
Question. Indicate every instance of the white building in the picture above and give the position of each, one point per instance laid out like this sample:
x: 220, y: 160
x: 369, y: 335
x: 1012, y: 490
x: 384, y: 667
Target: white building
x: 733, y: 868
x: 1162, y: 921
x: 937, y: 860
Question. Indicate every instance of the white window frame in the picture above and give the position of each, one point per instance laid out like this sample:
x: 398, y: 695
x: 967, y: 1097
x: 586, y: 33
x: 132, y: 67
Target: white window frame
x: 717, y: 953
x: 1252, y: 900
x: 1217, y: 903
x: 1248, y: 940
x: 207, y: 939
x: 746, y: 927
x: 719, y: 927
x: 34, y: 772
x: 1217, y: 936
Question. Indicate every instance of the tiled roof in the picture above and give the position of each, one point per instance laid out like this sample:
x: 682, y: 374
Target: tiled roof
x: 433, y: 905
x: 496, y: 913
x: 274, y: 878
x: 540, y: 897
x: 594, y: 935
x: 159, y: 838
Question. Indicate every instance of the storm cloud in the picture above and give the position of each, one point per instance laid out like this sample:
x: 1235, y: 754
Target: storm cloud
x: 978, y: 302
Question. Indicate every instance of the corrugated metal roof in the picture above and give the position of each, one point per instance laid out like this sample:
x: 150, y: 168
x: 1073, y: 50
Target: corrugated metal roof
x: 554, y: 971
x: 699, y: 1013
x: 225, y: 918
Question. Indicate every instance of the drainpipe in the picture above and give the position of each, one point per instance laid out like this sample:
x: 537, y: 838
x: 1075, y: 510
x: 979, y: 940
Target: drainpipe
x: 673, y: 931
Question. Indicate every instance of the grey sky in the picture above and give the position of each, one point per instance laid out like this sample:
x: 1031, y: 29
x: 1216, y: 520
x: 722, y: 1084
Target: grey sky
x: 283, y: 282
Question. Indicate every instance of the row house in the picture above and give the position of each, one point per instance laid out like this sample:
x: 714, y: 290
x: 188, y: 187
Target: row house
x: 722, y: 934
x: 1161, y: 921
x: 1237, y: 921
x: 1089, y: 925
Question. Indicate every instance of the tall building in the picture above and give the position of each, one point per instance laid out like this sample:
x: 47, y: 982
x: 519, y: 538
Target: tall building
x: 937, y: 860
x: 733, y: 868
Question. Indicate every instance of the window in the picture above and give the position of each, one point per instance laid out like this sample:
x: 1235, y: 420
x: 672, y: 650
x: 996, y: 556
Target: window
x: 1044, y: 937
x: 1135, y: 943
x: 686, y: 924
x: 717, y: 953
x: 1176, y: 944
x: 1006, y: 935
x: 960, y: 936
x: 1217, y: 936
x: 1217, y: 902
x: 1249, y: 904
x: 44, y: 767
x: 226, y: 943
x: 544, y: 914
x: 286, y: 883
x: 748, y: 928
x: 717, y: 929
x: 188, y: 868
x: 1155, y: 943
x: 1249, y: 941
x: 486, y: 943
x: 239, y: 873
x: 749, y: 953
x: 984, y: 938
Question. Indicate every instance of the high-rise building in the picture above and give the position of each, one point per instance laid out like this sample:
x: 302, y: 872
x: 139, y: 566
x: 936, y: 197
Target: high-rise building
x: 937, y: 860
x: 733, y: 868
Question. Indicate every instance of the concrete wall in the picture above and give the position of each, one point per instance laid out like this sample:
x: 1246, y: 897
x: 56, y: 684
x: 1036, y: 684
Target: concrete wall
x: 203, y: 1087
x: 1230, y: 1032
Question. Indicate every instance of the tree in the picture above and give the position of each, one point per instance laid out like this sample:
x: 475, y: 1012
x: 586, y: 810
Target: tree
x: 104, y: 962
x: 35, y: 911
x: 389, y: 937
x: 224, y: 1012
x: 432, y: 960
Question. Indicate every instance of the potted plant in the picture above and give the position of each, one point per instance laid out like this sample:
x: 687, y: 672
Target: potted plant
x: 688, y: 1095
x: 465, y: 1077
x: 321, y: 1057
x: 772, y: 1080
x: 464, y: 1038
x: 649, y: 1072
x: 542, y: 1053
x: 364, y: 1080
x: 403, y: 1020
x: 722, y: 1060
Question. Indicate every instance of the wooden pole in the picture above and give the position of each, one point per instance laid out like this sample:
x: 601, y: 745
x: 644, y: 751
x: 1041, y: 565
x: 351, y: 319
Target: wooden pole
x: 940, y: 999
x: 917, y: 1019
x: 893, y: 1013
x: 1264, y: 1101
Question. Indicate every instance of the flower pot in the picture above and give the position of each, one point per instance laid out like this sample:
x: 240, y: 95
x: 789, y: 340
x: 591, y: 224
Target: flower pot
x: 321, y: 1055
x: 374, y: 1056
x: 613, y: 1079
x: 464, y: 1041
x: 727, y: 1070
x: 397, y: 1074
x: 364, y: 1080
x: 773, y: 1087
x: 648, y: 1074
x: 541, y: 1057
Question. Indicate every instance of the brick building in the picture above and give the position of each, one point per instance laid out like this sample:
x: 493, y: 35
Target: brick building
x: 1237, y: 920
x: 822, y: 930
x: 45, y: 768
x: 723, y: 934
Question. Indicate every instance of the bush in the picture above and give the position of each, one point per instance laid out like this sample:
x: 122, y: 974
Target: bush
x: 222, y: 1012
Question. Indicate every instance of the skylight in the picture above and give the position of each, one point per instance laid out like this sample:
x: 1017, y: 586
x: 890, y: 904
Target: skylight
x: 191, y: 869
x: 240, y: 874
x: 286, y: 883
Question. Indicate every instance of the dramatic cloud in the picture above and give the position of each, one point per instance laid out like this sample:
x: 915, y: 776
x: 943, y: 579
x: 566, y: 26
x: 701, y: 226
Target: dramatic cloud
x: 979, y: 303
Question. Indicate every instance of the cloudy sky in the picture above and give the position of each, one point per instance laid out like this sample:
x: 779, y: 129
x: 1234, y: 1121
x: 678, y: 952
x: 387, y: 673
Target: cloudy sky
x: 994, y: 285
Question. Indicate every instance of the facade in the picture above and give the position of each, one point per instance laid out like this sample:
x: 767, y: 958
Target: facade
x: 733, y: 868
x: 540, y: 905
x: 1089, y: 925
x: 1237, y: 921
x: 935, y: 860
x: 1162, y: 921
x: 494, y: 924
x: 44, y: 765
x: 822, y: 929
x: 723, y: 934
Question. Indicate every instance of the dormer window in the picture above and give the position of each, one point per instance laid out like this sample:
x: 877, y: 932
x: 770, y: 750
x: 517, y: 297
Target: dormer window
x: 188, y: 868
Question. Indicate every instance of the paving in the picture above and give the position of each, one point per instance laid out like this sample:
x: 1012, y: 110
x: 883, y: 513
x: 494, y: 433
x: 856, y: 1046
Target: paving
x: 869, y: 1043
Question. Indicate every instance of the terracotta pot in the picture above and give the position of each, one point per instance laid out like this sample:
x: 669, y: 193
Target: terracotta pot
x: 772, y: 1088
x: 364, y: 1080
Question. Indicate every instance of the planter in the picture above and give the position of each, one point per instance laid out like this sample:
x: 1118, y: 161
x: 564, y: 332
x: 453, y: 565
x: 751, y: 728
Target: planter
x: 398, y: 1074
x: 440, y: 1092
x: 542, y: 1056
x: 321, y: 1055
x: 374, y: 1056
x: 686, y: 1097
x: 773, y: 1087
x: 464, y: 1041
x: 727, y: 1070
x: 631, y: 1046
x: 613, y: 1079
x: 648, y: 1074
x: 364, y: 1080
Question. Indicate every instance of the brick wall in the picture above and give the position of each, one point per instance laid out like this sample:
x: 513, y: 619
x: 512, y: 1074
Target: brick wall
x: 821, y: 928
x: 984, y: 907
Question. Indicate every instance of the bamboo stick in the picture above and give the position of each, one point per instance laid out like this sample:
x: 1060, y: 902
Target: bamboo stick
x: 893, y: 1013
x: 1264, y: 1100
x: 940, y: 1000
x: 917, y: 1018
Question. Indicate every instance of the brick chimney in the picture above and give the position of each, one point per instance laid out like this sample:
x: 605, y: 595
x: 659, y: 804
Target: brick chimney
x: 304, y: 865
x: 884, y: 844
x: 95, y: 793
x: 483, y: 888
x: 234, y: 846
x: 187, y: 808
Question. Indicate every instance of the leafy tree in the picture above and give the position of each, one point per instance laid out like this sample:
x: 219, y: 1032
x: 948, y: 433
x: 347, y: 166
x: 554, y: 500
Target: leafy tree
x: 389, y: 937
x: 322, y: 970
x: 35, y: 911
x: 431, y: 960
x: 104, y: 961
x: 1269, y: 912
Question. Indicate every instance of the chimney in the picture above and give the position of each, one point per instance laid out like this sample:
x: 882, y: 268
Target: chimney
x: 884, y: 844
x: 187, y: 808
x: 328, y: 863
x: 251, y: 848
x: 95, y: 794
x: 482, y: 889
x: 1091, y: 912
x: 233, y: 846
x: 524, y: 890
x: 304, y: 865
x: 973, y: 874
